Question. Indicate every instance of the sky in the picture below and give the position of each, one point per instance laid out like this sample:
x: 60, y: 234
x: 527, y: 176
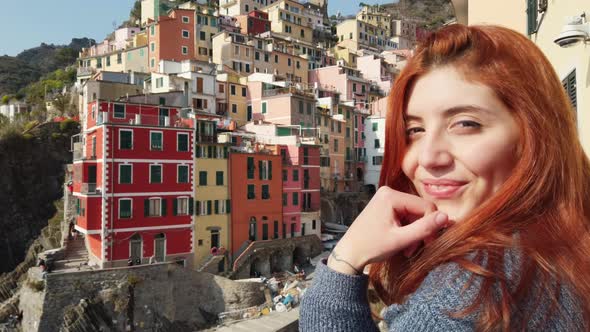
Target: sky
x: 27, y: 24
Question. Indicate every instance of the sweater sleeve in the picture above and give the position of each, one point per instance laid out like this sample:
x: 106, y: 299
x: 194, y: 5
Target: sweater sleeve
x: 336, y: 302
x: 430, y: 308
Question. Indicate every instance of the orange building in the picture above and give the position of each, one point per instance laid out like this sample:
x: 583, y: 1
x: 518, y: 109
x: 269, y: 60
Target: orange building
x: 171, y: 37
x: 256, y: 191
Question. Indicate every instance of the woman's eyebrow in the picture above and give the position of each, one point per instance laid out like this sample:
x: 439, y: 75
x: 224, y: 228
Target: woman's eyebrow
x: 453, y: 111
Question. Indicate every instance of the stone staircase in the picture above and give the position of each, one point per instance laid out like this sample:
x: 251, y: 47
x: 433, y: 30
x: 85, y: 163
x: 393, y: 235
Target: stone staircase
x: 76, y: 256
x: 210, y: 264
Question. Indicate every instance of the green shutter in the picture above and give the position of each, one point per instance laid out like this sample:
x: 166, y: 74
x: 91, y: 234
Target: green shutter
x: 270, y: 169
x: 199, y: 151
x: 77, y: 206
x: 198, y: 209
x: 225, y: 152
x: 208, y: 207
x: 210, y: 151
x: 163, y: 207
x: 174, y: 206
x: 216, y: 207
x: 531, y: 16
x: 250, y: 169
x: 146, y: 207
x: 228, y: 206
x: 190, y: 207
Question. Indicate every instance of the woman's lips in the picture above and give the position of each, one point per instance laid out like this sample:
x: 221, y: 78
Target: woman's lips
x: 442, y: 189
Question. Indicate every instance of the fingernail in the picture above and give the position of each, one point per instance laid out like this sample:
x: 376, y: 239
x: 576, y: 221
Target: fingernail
x: 441, y: 218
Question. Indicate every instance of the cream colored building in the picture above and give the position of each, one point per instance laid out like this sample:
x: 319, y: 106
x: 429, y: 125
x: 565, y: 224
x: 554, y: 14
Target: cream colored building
x: 246, y: 55
x: 242, y: 7
x: 355, y: 34
x: 543, y: 23
x: 233, y: 98
x: 377, y: 16
x: 123, y: 61
x: 290, y: 18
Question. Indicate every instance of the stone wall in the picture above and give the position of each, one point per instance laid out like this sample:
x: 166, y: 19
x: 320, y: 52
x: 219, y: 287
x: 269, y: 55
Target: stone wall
x: 144, y: 296
x: 343, y: 207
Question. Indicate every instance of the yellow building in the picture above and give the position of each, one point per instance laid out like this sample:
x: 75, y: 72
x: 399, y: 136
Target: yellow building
x: 543, y: 22
x: 233, y: 98
x: 377, y: 16
x: 288, y: 17
x: 206, y: 27
x: 212, y: 201
x: 345, y: 54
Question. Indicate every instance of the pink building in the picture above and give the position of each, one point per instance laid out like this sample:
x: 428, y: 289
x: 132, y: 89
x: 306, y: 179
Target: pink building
x: 108, y: 46
x: 349, y: 82
x: 375, y: 69
x: 282, y: 105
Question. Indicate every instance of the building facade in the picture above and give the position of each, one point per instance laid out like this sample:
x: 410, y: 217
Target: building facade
x: 133, y: 184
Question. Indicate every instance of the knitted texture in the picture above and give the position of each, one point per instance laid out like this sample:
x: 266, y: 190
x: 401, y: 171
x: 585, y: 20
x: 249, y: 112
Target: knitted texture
x: 338, y: 302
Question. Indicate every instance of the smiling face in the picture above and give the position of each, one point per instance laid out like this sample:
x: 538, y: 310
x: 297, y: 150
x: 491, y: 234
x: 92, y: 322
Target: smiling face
x: 461, y: 142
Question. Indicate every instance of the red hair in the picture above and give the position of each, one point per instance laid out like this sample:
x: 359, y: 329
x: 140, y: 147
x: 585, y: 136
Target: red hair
x: 546, y: 200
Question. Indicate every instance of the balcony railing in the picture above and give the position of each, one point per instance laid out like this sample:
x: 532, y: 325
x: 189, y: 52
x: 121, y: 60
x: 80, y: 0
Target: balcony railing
x: 206, y: 138
x: 86, y: 71
x: 291, y: 90
x: 142, y: 120
x: 89, y: 188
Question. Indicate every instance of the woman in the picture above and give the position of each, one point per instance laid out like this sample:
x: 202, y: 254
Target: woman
x: 481, y: 221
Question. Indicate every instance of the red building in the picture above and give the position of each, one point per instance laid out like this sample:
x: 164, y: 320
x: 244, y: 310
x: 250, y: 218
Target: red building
x: 256, y: 22
x: 171, y: 37
x: 133, y: 180
x: 255, y: 189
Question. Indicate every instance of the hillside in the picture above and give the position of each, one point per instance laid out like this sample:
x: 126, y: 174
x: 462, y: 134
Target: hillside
x: 29, y: 65
x: 430, y: 14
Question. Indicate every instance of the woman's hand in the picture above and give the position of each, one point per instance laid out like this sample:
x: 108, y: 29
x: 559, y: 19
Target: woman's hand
x: 391, y: 222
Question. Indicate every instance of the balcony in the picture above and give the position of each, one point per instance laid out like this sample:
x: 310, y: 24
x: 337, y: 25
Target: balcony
x: 142, y: 120
x: 86, y: 71
x: 89, y: 188
x: 289, y: 90
x: 206, y: 138
x: 228, y: 3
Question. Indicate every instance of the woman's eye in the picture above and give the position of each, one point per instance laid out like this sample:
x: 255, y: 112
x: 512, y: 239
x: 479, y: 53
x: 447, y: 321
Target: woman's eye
x: 413, y: 131
x: 467, y: 124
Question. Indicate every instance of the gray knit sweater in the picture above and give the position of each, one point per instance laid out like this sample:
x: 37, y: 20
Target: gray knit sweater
x: 338, y: 302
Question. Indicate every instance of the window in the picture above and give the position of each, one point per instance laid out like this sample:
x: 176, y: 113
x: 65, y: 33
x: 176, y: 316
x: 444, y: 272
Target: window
x: 153, y: 47
x: 301, y: 106
x: 265, y: 191
x: 119, y: 111
x: 153, y: 30
x: 377, y: 160
x: 182, y: 174
x: 233, y: 90
x: 182, y: 142
x: 276, y: 58
x: 250, y: 169
x: 234, y: 108
x: 156, y: 142
x: 335, y: 145
x: 295, y: 175
x: 377, y: 144
x: 125, y: 174
x: 125, y: 139
x: 285, y: 178
x: 295, y: 199
x: 353, y: 87
x: 375, y: 126
x: 155, y: 173
x: 155, y: 207
x: 285, y: 199
x: 264, y: 106
x: 202, y: 35
x: 244, y: 92
x: 185, y: 34
x: 125, y: 208
x: 289, y: 62
x: 202, y: 178
x: 181, y: 206
x: 251, y: 191
x: 265, y: 169
x: 219, y: 178
x: 313, y: 224
x: 108, y: 58
x: 347, y: 132
x: 256, y: 55
x: 185, y: 19
x: 221, y: 88
x: 184, y: 50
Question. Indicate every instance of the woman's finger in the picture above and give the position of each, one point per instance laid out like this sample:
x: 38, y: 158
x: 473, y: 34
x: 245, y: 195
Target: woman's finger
x: 421, y: 228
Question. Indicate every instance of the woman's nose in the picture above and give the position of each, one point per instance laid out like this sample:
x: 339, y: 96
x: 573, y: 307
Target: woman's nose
x: 435, y: 152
